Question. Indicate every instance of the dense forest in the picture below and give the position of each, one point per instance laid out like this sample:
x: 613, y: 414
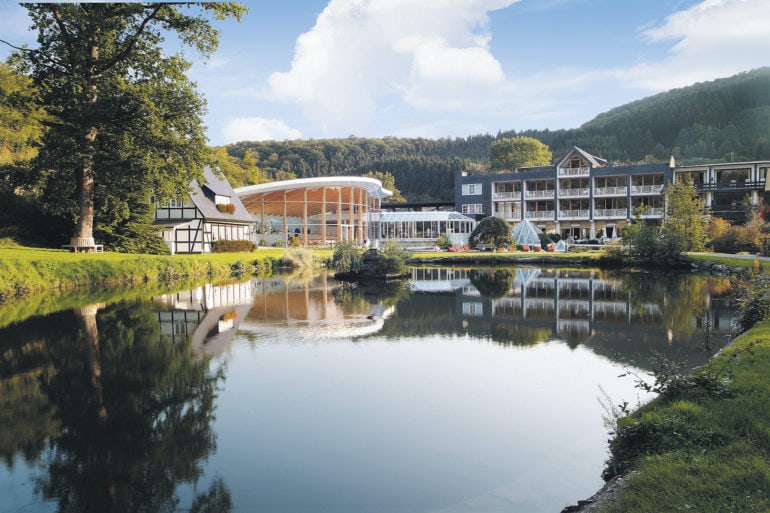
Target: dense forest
x: 726, y: 119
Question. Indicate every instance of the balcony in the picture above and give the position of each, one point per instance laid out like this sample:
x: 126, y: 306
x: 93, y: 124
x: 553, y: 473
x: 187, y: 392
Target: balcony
x: 653, y: 213
x: 503, y: 196
x: 509, y: 215
x: 610, y: 213
x: 573, y: 171
x: 611, y: 191
x: 574, y: 193
x: 573, y: 215
x: 540, y: 194
x: 732, y: 186
x: 540, y: 214
x: 646, y: 189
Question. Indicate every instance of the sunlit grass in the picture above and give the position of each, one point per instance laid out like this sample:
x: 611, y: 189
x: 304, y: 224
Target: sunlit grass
x: 25, y: 271
x: 734, y: 262
x: 719, y: 459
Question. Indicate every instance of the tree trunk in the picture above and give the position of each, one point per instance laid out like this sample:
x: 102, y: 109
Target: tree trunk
x: 87, y: 319
x: 84, y: 235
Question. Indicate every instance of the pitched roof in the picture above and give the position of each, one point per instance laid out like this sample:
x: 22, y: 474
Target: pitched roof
x: 527, y: 233
x: 592, y: 159
x: 203, y: 198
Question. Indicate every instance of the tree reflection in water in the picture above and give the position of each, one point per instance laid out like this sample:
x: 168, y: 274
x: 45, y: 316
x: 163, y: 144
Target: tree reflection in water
x: 135, y: 414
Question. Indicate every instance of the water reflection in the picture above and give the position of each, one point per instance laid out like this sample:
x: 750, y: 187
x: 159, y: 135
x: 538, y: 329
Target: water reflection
x: 208, y: 316
x: 111, y: 406
x: 126, y: 414
x: 626, y: 316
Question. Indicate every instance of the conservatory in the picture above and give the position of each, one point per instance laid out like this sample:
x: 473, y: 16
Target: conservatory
x: 421, y: 229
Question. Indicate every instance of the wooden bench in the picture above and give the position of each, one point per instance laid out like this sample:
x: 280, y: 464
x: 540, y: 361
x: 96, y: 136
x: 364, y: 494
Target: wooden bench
x: 83, y: 244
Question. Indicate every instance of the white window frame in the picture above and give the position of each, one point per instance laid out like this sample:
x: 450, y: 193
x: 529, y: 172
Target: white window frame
x: 471, y: 189
x: 472, y: 208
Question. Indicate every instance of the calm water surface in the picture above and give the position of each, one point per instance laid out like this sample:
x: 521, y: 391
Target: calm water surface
x: 465, y: 390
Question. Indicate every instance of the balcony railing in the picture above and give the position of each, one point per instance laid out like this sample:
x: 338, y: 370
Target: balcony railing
x: 574, y: 193
x: 646, y: 189
x: 506, y: 195
x: 652, y: 213
x: 569, y: 215
x: 540, y: 214
x: 539, y: 194
x: 610, y: 213
x: 732, y: 185
x: 509, y: 215
x: 574, y: 171
x: 610, y: 191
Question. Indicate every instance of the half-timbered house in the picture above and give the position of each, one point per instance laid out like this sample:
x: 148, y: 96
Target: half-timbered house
x: 211, y: 212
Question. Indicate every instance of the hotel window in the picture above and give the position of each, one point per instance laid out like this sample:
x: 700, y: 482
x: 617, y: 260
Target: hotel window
x: 472, y: 208
x: 471, y: 189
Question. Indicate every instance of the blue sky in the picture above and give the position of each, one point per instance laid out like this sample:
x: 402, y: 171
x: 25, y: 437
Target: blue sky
x: 452, y: 68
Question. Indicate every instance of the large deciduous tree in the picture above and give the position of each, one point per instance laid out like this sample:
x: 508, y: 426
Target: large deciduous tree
x: 127, y: 121
x: 20, y: 117
x: 686, y: 217
x: 511, y: 154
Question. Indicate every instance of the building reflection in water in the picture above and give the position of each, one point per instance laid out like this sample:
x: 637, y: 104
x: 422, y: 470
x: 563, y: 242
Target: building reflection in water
x: 313, y: 309
x: 614, y: 313
x: 208, y: 315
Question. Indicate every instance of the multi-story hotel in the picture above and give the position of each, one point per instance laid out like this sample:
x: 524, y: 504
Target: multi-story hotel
x: 585, y: 197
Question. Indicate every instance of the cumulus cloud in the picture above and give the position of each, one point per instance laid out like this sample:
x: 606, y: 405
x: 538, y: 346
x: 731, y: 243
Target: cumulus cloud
x: 431, y: 55
x: 258, y: 129
x: 714, y: 38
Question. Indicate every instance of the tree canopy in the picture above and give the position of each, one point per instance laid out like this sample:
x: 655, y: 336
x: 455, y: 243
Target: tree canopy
x: 491, y: 230
x: 21, y: 118
x: 686, y: 218
x: 511, y: 154
x: 126, y: 121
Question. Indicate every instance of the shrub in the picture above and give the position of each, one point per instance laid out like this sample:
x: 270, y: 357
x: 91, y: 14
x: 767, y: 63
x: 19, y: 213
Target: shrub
x: 492, y: 230
x: 391, y: 261
x: 232, y: 246
x: 738, y: 239
x: 443, y: 241
x: 347, y: 257
x: 300, y: 258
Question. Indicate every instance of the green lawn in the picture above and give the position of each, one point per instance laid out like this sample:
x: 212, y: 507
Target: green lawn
x: 24, y: 271
x: 706, y: 452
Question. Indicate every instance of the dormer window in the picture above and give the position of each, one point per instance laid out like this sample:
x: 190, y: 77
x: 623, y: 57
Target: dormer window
x: 221, y: 200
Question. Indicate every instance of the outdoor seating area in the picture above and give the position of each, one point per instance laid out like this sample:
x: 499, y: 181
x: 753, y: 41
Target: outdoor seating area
x: 83, y: 245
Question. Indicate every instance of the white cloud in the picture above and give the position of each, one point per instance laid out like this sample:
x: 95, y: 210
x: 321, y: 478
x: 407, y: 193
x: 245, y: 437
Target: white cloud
x: 258, y: 129
x: 432, y: 55
x: 715, y: 38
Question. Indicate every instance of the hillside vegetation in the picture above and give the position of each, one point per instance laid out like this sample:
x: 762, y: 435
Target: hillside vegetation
x: 726, y: 119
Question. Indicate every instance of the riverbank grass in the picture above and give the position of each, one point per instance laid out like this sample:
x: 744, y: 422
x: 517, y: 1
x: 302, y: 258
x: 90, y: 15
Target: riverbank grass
x: 24, y: 271
x: 702, y: 451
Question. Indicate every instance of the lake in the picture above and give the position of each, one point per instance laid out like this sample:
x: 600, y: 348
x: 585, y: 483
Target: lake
x: 461, y: 390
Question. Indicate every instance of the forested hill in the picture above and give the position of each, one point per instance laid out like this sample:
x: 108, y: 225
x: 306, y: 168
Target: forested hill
x: 423, y: 169
x: 727, y: 119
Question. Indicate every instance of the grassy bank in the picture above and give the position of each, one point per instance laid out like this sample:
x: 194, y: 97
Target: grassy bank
x: 704, y: 444
x: 27, y: 271
x: 735, y: 262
